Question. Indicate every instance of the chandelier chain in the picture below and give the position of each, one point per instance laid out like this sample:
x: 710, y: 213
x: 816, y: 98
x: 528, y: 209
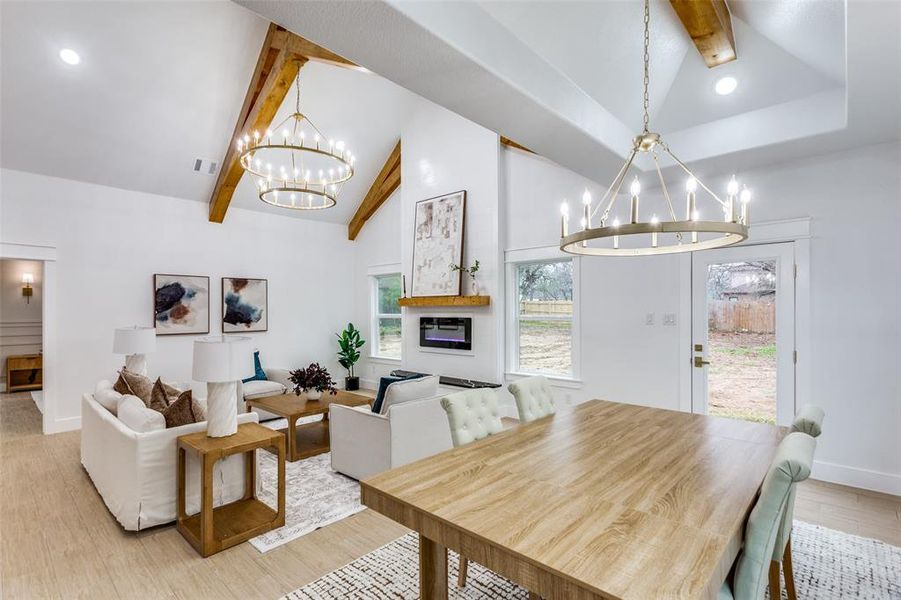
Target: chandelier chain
x: 647, y: 61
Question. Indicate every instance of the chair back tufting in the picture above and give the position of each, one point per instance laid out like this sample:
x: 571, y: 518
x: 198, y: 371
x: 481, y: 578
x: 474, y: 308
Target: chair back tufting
x: 810, y: 421
x: 791, y: 464
x: 472, y: 415
x: 534, y: 398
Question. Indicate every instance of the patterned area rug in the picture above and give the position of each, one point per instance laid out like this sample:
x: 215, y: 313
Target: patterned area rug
x: 829, y: 565
x: 315, y: 496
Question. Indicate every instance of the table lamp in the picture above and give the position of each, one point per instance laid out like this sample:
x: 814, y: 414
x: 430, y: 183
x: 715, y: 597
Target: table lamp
x: 135, y: 343
x: 220, y: 362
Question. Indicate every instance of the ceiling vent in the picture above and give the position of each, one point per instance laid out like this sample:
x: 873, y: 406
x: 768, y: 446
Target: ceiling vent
x: 205, y: 166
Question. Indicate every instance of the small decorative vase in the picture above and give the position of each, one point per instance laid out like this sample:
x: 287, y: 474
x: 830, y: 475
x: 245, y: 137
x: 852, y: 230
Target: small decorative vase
x: 313, y: 394
x: 474, y: 284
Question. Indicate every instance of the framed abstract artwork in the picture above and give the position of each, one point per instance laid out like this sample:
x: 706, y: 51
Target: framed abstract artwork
x: 181, y: 304
x: 245, y: 305
x: 438, y: 243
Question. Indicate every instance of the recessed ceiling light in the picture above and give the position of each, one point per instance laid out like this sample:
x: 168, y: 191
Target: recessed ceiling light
x: 726, y: 86
x: 69, y: 56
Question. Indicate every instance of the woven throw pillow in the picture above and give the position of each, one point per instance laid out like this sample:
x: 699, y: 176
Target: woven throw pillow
x: 162, y: 395
x: 180, y: 412
x: 135, y: 385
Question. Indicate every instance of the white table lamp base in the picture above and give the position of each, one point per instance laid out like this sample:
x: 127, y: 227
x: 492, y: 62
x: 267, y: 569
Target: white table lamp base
x: 136, y: 363
x: 222, y: 409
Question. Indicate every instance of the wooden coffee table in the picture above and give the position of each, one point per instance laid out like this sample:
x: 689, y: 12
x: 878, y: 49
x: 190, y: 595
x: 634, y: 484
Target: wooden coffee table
x: 308, y: 439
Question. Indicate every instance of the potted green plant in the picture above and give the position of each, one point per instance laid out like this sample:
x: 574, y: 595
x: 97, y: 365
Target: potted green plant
x: 349, y: 344
x: 471, y: 271
x: 312, y: 381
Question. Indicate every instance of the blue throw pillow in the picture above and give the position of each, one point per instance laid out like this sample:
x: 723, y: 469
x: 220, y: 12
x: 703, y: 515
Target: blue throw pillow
x: 259, y: 374
x: 384, y: 382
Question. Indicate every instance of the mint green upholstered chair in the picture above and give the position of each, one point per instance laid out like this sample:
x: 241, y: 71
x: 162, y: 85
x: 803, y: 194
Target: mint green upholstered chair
x: 472, y: 415
x: 791, y: 464
x: 810, y: 421
x: 534, y: 398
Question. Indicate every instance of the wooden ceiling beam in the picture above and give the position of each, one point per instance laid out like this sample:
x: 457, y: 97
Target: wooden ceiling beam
x: 381, y: 189
x: 709, y: 24
x: 281, y: 58
x: 511, y: 144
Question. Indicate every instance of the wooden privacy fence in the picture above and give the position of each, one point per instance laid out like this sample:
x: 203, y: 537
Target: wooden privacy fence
x: 754, y: 317
x: 546, y: 307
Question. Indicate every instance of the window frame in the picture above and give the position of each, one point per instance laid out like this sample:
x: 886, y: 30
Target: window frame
x: 513, y: 259
x: 375, y: 316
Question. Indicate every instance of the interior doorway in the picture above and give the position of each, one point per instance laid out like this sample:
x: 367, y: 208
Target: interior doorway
x: 743, y: 332
x: 21, y: 332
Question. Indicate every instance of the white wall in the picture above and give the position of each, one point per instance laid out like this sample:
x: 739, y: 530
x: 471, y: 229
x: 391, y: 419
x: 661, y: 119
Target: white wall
x: 110, y: 242
x: 376, y: 249
x: 444, y: 153
x: 854, y: 202
x: 20, y: 321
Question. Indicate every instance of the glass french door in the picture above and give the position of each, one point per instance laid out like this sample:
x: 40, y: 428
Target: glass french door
x: 743, y: 333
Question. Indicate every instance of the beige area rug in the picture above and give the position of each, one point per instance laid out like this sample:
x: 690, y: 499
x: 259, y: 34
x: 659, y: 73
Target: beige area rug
x: 315, y: 496
x: 829, y: 565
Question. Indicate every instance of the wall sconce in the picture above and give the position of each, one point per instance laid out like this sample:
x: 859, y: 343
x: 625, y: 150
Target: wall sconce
x: 27, y: 291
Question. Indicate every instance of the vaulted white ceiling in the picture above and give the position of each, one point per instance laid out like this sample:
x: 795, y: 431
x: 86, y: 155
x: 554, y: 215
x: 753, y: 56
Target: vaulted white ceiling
x: 161, y: 84
x: 563, y: 78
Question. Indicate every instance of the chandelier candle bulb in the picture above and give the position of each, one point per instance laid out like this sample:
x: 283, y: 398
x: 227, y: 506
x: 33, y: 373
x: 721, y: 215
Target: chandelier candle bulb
x: 655, y: 222
x: 564, y: 219
x: 745, y: 201
x: 616, y: 237
x: 691, y: 186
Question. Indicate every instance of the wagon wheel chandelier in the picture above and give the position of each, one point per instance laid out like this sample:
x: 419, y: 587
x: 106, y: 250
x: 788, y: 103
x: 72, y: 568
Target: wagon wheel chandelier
x: 294, y: 165
x: 656, y: 236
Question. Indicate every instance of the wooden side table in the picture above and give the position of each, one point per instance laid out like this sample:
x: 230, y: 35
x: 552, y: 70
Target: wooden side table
x: 215, y: 529
x: 24, y: 372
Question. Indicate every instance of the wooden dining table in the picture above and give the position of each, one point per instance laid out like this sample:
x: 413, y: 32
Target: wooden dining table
x: 601, y: 500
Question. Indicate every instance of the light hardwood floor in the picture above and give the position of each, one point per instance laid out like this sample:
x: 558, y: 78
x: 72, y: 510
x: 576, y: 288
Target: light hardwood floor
x: 58, y: 540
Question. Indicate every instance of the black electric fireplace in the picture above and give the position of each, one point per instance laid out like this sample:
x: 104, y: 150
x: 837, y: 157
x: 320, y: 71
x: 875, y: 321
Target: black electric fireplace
x: 454, y: 333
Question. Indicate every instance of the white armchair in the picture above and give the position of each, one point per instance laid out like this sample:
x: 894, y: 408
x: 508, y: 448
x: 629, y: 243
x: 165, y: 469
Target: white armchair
x: 412, y: 426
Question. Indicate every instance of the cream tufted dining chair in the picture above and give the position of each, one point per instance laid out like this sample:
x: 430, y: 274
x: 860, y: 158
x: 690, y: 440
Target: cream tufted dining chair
x: 472, y: 415
x: 809, y: 420
x: 534, y: 398
x: 791, y: 464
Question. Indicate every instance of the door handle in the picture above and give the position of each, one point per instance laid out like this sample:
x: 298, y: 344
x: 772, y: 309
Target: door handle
x: 700, y: 362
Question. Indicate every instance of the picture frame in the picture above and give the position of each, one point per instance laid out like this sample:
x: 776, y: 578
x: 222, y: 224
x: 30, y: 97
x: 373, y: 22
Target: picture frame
x: 181, y: 304
x: 245, y: 305
x: 439, y: 226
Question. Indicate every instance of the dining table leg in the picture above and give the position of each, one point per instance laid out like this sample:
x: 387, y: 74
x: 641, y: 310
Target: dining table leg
x: 432, y: 570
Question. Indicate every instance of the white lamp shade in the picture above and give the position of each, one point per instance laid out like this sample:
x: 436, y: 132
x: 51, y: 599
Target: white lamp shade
x: 27, y: 278
x: 134, y: 340
x: 222, y: 359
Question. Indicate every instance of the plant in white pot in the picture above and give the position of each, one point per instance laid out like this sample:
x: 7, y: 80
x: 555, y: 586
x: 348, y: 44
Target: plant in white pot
x: 312, y: 381
x: 349, y: 344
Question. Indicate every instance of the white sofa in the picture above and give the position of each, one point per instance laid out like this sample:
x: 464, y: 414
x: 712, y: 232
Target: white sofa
x: 412, y: 425
x: 134, y: 472
x: 278, y: 383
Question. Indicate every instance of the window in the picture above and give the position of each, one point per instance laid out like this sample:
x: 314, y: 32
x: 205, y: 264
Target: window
x: 386, y: 321
x: 543, y: 320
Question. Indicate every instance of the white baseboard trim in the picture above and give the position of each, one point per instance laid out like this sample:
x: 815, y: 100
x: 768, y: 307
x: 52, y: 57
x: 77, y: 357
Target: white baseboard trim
x: 876, y: 481
x: 61, y: 425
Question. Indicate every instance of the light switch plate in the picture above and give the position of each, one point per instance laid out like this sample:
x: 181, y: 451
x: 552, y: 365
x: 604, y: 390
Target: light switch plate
x: 649, y: 319
x: 669, y: 319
